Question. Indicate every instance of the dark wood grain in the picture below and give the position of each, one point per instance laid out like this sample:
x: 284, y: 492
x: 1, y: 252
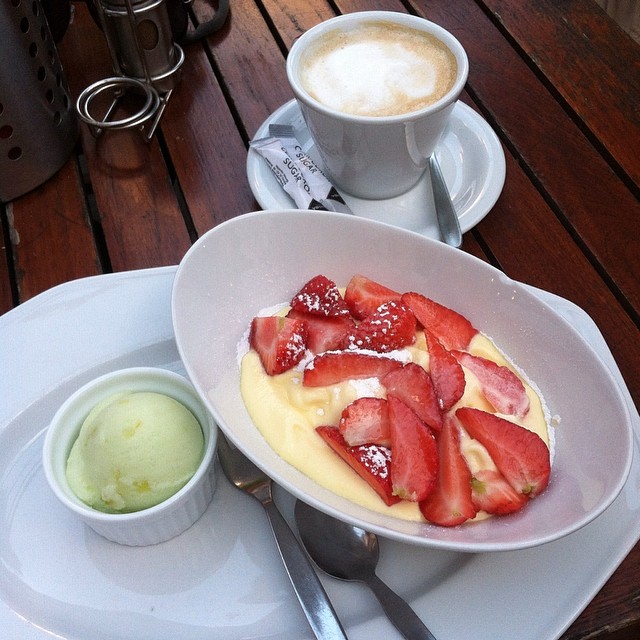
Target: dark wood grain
x: 596, y: 68
x: 206, y: 148
x: 251, y: 65
x: 52, y: 237
x: 138, y: 209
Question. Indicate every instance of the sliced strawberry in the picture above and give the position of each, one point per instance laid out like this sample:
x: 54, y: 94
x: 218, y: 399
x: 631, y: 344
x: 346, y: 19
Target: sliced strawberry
x: 414, y: 450
x: 521, y: 455
x: 450, y: 504
x: 490, y: 492
x: 446, y: 373
x: 365, y: 421
x: 336, y: 366
x: 280, y: 342
x: 450, y: 327
x: 363, y: 296
x: 371, y: 462
x: 326, y: 333
x: 500, y: 386
x: 391, y: 326
x: 321, y: 297
x: 412, y: 384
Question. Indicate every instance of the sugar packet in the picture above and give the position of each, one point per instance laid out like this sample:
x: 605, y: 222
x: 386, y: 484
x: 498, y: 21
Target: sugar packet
x: 298, y: 175
x: 320, y: 185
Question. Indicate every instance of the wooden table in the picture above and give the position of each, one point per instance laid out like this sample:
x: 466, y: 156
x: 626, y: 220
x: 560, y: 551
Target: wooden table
x: 556, y: 79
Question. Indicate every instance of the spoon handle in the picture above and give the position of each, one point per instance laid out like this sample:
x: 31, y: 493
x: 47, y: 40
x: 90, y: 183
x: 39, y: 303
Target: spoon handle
x: 402, y: 616
x: 445, y: 212
x: 311, y: 594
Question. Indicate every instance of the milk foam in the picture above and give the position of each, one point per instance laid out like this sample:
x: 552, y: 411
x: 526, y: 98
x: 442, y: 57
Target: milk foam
x: 378, y: 69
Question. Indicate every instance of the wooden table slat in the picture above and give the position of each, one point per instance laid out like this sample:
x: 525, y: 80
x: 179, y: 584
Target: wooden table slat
x: 207, y: 150
x: 53, y: 238
x: 251, y: 66
x: 597, y: 70
x: 133, y: 192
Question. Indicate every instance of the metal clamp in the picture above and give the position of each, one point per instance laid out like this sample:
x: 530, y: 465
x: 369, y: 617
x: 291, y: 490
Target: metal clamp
x: 145, y: 59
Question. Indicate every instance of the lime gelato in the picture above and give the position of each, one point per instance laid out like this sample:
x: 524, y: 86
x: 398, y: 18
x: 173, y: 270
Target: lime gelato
x: 134, y: 450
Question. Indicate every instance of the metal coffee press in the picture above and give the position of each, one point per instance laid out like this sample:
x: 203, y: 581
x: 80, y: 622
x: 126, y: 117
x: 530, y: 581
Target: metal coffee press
x: 144, y: 57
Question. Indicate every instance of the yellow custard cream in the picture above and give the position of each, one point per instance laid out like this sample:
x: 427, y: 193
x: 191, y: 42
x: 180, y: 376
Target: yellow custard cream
x: 287, y: 413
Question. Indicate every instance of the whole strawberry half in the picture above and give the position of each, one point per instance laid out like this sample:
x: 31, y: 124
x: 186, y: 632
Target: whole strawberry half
x: 413, y: 385
x: 450, y: 503
x: 337, y: 366
x: 521, y: 455
x: 500, y: 386
x: 446, y: 372
x: 391, y: 326
x: 450, y: 327
x: 365, y: 421
x: 279, y: 342
x: 414, y: 452
x: 320, y: 296
x: 371, y: 462
x: 363, y: 296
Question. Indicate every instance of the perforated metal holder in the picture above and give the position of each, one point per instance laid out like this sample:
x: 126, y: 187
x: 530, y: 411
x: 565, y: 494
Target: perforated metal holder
x: 38, y: 127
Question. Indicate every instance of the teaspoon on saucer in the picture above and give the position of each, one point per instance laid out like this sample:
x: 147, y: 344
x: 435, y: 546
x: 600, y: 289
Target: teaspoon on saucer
x: 445, y: 211
x: 350, y: 553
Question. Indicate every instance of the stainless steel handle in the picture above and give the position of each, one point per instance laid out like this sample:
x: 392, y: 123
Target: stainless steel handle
x: 403, y: 617
x: 447, y: 217
x: 311, y: 594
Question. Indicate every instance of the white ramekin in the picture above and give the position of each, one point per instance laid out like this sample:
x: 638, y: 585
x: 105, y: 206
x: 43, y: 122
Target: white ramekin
x: 148, y: 526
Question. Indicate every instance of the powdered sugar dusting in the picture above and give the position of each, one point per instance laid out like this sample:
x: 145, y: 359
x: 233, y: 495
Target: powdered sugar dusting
x: 367, y: 387
x: 313, y: 303
x: 402, y: 355
x: 295, y: 347
x: 376, y: 458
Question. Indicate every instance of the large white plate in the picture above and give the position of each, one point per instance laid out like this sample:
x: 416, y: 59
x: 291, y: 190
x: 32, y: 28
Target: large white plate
x: 257, y: 260
x: 470, y: 156
x: 223, y: 579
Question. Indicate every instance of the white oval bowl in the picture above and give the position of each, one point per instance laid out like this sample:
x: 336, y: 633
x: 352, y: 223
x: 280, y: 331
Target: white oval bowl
x: 154, y: 524
x: 260, y: 259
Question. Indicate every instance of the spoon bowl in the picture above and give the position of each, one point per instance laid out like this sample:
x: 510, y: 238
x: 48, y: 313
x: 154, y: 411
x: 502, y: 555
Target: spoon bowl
x: 348, y: 552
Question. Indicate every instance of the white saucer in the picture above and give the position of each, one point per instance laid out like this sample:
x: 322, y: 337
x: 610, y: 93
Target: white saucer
x: 470, y: 156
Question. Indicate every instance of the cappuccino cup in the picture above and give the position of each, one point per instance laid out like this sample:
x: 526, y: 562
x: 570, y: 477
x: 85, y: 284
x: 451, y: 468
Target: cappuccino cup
x: 376, y: 89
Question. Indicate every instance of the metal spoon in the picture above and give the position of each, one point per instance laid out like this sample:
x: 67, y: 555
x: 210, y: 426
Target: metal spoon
x: 311, y: 595
x: 350, y: 553
x: 445, y: 211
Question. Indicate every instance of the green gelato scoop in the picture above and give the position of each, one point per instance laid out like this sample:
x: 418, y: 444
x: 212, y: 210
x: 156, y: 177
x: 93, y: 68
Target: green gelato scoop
x: 134, y: 450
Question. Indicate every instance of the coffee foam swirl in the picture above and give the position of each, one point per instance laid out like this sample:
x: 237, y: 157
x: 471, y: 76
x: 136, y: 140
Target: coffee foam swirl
x: 378, y: 69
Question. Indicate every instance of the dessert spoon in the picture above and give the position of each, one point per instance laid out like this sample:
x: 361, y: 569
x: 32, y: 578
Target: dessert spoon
x: 311, y: 594
x: 445, y: 211
x: 350, y: 553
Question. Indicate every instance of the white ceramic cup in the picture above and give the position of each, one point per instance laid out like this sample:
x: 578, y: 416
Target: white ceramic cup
x: 375, y: 157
